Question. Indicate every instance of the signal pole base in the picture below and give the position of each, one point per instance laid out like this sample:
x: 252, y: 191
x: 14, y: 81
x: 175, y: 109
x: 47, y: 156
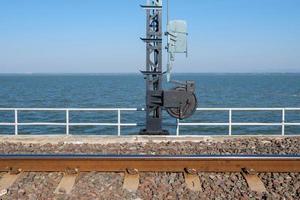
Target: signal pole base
x: 151, y: 133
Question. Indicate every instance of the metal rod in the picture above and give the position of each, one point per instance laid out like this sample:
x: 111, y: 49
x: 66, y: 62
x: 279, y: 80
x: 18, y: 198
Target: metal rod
x: 168, y: 14
x: 283, y: 122
x: 177, y: 127
x: 119, y: 123
x: 230, y: 122
x: 16, y: 122
x: 67, y: 122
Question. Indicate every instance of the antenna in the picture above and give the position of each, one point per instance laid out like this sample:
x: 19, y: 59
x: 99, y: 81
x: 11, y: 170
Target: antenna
x: 169, y: 66
x: 168, y: 14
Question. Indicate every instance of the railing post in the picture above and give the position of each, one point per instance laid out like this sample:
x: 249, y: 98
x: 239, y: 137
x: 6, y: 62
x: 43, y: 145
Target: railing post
x: 16, y: 122
x: 119, y: 122
x: 283, y: 122
x: 230, y: 122
x: 177, y: 127
x: 67, y: 122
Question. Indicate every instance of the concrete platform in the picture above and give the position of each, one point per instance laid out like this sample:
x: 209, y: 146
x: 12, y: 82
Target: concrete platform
x: 54, y: 139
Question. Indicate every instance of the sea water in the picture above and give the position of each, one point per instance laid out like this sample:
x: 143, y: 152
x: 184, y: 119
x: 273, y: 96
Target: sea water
x: 128, y: 91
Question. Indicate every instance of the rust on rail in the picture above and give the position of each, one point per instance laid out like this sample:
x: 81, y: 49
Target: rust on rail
x: 105, y: 163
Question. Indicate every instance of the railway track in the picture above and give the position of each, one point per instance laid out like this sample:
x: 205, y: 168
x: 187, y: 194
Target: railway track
x: 142, y: 163
x: 132, y: 165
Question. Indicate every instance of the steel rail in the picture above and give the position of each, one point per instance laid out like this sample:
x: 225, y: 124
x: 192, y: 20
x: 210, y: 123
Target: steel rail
x: 142, y: 163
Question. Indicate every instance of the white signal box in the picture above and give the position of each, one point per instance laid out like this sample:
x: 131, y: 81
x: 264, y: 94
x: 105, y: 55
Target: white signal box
x: 177, y: 42
x: 177, y: 36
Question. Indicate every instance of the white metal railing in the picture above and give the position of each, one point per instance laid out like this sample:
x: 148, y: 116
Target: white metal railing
x: 67, y: 123
x: 119, y: 123
x: 230, y: 123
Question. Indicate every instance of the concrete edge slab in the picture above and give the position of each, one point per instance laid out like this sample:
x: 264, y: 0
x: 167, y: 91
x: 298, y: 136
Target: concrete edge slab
x: 54, y: 139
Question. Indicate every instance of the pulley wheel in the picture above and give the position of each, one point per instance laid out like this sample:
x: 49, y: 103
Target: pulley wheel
x: 188, y: 109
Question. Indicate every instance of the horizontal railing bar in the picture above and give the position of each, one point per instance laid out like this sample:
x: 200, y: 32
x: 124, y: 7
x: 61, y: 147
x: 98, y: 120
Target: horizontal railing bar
x: 134, y: 124
x: 256, y: 124
x: 292, y: 124
x: 142, y: 109
x: 100, y: 124
x: 244, y: 109
x: 64, y: 124
x: 257, y: 109
x: 248, y: 109
x: 224, y: 135
x: 7, y: 124
x: 291, y: 109
x: 41, y: 124
x: 233, y: 124
x: 70, y: 109
x: 33, y: 109
x: 103, y: 109
x: 213, y: 109
x: 203, y: 124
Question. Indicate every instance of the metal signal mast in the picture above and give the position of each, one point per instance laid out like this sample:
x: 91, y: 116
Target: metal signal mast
x: 153, y: 73
x: 180, y: 102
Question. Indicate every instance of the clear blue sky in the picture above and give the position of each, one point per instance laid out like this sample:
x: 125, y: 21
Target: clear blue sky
x: 97, y: 36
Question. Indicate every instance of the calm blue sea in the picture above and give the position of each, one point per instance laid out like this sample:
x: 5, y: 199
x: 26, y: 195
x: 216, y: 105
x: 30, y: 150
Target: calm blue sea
x: 127, y: 90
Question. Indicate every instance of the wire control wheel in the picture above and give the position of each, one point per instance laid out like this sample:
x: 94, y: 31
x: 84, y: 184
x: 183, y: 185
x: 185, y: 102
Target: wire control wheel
x: 187, y: 109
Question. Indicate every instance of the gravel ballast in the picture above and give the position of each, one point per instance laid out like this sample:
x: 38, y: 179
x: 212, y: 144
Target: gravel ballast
x: 94, y: 185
